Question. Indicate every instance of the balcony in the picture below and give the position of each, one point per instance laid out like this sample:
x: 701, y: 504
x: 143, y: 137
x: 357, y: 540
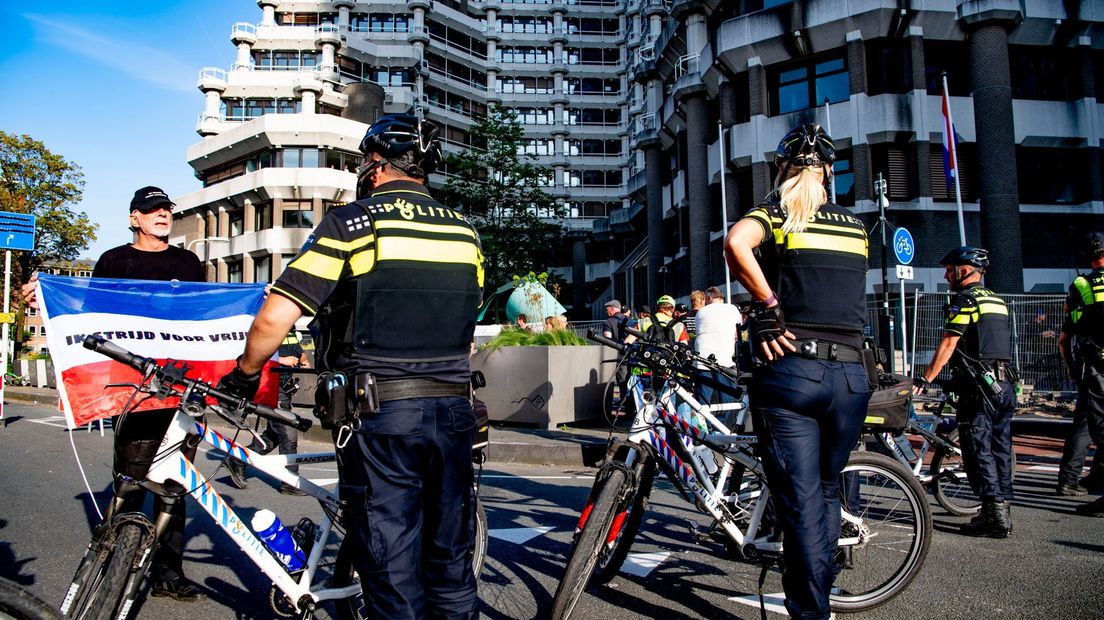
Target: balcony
x: 212, y: 78
x: 688, y: 80
x: 243, y: 32
x: 644, y: 132
x: 327, y: 34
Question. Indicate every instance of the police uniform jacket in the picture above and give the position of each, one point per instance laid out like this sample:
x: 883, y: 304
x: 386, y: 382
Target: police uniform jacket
x: 819, y: 274
x: 395, y: 280
x: 1085, y: 309
x: 981, y: 319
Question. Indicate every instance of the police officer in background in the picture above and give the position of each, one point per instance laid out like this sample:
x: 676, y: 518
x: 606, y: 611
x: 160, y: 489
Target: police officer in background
x: 394, y: 280
x: 806, y: 323
x: 1084, y: 326
x: 977, y: 342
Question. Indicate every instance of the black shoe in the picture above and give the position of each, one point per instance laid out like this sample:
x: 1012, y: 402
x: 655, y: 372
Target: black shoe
x: 177, y: 587
x: 991, y: 522
x: 237, y: 472
x: 1070, y: 490
x: 1094, y: 508
x: 287, y: 489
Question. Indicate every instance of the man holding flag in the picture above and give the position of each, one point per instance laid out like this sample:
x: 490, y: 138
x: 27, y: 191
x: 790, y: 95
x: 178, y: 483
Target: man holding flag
x: 138, y: 437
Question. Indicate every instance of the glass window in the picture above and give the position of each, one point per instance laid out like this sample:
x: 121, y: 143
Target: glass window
x: 809, y: 84
x: 844, y: 180
x: 234, y: 271
x: 310, y: 158
x: 237, y: 222
x: 262, y: 269
x: 262, y: 216
x: 1052, y: 175
x: 297, y: 214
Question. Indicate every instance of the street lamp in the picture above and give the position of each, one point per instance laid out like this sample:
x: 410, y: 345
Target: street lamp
x: 206, y: 247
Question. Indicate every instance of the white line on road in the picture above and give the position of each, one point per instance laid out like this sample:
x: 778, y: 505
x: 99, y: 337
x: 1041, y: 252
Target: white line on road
x: 774, y: 602
x: 51, y: 421
x: 575, y: 477
x: 641, y: 564
x: 518, y: 535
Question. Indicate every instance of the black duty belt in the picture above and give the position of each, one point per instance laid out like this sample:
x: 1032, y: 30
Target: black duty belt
x: 402, y: 389
x: 831, y: 351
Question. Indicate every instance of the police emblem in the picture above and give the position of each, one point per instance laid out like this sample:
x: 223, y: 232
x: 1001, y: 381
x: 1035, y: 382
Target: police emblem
x: 952, y: 311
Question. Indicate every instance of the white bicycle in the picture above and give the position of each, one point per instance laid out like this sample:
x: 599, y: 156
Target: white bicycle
x: 113, y: 570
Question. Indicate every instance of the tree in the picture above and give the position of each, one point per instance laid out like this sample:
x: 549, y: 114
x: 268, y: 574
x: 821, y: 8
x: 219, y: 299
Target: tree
x: 36, y: 181
x: 500, y: 188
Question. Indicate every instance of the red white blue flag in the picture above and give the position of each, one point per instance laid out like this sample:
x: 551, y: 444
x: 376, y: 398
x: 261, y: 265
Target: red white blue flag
x: 950, y: 149
x: 199, y: 323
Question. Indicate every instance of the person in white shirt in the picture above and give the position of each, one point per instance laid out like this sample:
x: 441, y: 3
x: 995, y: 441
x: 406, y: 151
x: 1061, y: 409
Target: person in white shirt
x: 717, y: 324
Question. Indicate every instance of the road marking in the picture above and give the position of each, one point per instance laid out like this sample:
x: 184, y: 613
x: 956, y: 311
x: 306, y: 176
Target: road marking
x: 518, y: 535
x: 1049, y: 468
x: 641, y: 564
x: 573, y: 477
x: 324, y: 482
x: 51, y: 421
x: 773, y: 602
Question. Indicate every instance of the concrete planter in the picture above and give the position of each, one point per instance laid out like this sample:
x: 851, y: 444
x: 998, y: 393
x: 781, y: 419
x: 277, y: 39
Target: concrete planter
x: 544, y: 386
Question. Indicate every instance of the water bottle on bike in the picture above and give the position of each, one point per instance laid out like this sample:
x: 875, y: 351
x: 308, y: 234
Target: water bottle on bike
x: 278, y: 539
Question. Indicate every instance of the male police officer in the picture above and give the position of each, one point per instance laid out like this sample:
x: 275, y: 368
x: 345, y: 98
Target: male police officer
x: 977, y: 337
x: 1085, y: 326
x: 395, y: 281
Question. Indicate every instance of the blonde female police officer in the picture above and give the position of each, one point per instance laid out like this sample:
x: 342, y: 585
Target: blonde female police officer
x: 806, y: 322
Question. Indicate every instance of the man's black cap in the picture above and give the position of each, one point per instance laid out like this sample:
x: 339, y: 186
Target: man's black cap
x: 150, y: 198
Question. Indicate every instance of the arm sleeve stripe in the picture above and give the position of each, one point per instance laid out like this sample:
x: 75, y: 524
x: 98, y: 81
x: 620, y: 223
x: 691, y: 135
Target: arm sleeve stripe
x: 362, y: 262
x: 434, y: 228
x: 319, y: 266
x: 346, y: 246
x: 276, y: 288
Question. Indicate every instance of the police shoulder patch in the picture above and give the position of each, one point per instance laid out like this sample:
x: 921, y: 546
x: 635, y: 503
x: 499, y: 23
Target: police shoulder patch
x: 952, y: 311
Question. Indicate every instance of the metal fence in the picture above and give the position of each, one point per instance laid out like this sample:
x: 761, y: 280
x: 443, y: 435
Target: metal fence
x: 1035, y: 321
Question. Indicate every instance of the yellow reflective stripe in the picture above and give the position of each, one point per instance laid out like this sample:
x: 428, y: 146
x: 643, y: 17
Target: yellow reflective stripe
x: 960, y: 319
x: 428, y: 250
x: 362, y: 262
x: 433, y: 228
x: 346, y: 246
x: 479, y: 267
x: 319, y: 265
x: 1084, y: 289
x: 834, y: 243
x: 401, y: 191
x: 991, y: 308
x: 306, y: 306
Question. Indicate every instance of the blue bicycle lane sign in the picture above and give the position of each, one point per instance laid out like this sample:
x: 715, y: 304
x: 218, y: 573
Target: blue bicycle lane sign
x: 904, y: 248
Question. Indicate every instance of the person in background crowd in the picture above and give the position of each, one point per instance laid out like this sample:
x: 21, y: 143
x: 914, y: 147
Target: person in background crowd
x: 138, y: 436
x: 522, y: 323
x: 554, y: 322
x: 663, y: 327
x: 977, y: 342
x: 614, y: 325
x: 718, y: 324
x: 807, y: 283
x: 1081, y: 345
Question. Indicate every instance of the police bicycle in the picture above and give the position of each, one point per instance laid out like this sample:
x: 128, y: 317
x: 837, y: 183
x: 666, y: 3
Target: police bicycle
x: 112, y: 572
x: 934, y: 433
x: 886, y: 522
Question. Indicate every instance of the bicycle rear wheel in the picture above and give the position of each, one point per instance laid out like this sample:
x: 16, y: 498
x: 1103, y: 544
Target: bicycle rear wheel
x: 949, y: 484
x: 894, y: 532
x: 345, y: 574
x: 609, y: 564
x: 591, y: 541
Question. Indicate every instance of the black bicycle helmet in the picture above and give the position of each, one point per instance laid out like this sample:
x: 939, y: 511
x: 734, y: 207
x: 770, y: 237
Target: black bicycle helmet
x: 1092, y: 246
x: 395, y: 135
x: 967, y: 255
x: 806, y: 146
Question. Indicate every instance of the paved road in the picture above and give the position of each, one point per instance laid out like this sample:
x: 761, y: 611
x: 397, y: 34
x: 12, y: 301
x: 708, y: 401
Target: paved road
x: 1053, y: 567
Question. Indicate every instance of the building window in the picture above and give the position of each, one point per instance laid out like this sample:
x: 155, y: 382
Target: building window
x: 897, y: 163
x: 1052, y: 176
x: 32, y: 330
x: 809, y: 84
x: 947, y: 57
x: 30, y: 311
x: 593, y: 116
x: 298, y: 214
x: 888, y: 67
x: 594, y: 178
x: 1044, y: 73
x: 942, y: 191
x: 844, y: 176
x: 262, y: 216
x: 537, y: 146
x: 262, y: 269
x: 234, y: 271
x: 237, y: 222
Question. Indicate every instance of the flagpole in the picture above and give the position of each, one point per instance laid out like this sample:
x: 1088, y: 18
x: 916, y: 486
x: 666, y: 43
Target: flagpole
x: 724, y: 210
x: 828, y: 117
x: 954, y: 157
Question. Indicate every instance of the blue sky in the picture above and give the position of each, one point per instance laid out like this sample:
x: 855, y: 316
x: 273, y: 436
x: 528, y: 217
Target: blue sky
x: 111, y: 86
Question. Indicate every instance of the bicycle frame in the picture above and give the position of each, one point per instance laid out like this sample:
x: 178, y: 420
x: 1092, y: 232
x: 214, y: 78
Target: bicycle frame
x: 649, y: 432
x: 922, y: 426
x: 182, y: 470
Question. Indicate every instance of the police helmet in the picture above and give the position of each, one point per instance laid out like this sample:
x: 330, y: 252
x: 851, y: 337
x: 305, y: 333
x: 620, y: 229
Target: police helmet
x: 967, y: 255
x: 806, y: 146
x: 395, y: 135
x: 1092, y: 246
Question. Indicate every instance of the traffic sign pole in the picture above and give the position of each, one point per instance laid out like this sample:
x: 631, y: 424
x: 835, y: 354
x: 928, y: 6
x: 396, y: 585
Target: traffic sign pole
x: 5, y: 331
x: 17, y: 232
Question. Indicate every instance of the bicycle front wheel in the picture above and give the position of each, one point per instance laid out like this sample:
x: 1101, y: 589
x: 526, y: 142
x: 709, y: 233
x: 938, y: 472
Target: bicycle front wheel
x: 590, y: 542
x: 609, y: 564
x: 887, y: 511
x: 102, y: 602
x: 345, y: 574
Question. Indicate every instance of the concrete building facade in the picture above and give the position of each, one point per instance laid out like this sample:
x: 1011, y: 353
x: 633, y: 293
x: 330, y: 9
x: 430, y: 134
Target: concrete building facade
x: 629, y: 104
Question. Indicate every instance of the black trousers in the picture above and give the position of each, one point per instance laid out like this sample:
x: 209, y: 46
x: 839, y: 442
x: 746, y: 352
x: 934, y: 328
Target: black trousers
x: 137, y: 441
x: 406, y: 482
x: 985, y: 432
x: 1088, y: 424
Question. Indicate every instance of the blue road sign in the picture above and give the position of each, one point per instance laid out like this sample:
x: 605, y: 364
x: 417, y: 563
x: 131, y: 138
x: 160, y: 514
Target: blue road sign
x: 17, y: 231
x: 903, y: 246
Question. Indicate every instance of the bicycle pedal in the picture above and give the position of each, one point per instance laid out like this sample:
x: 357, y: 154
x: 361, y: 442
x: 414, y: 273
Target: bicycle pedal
x: 695, y: 532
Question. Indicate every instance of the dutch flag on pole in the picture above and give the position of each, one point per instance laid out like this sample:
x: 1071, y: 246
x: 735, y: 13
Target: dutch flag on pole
x: 950, y: 149
x: 200, y: 323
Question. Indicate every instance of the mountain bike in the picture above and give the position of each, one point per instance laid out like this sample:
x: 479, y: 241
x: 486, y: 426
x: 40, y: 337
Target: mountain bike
x: 885, y: 519
x: 112, y: 572
x: 938, y: 436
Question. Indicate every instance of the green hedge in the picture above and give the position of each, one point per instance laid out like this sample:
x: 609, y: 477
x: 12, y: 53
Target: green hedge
x: 520, y: 338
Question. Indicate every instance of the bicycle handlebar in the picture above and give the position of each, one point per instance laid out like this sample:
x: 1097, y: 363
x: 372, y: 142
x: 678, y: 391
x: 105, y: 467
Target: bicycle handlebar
x: 147, y: 365
x: 689, y: 357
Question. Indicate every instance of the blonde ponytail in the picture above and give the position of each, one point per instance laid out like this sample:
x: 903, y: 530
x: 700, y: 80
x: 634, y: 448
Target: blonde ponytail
x: 800, y: 197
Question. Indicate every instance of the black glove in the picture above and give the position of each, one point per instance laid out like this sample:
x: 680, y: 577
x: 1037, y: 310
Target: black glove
x: 237, y: 383
x: 922, y: 383
x: 766, y: 324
